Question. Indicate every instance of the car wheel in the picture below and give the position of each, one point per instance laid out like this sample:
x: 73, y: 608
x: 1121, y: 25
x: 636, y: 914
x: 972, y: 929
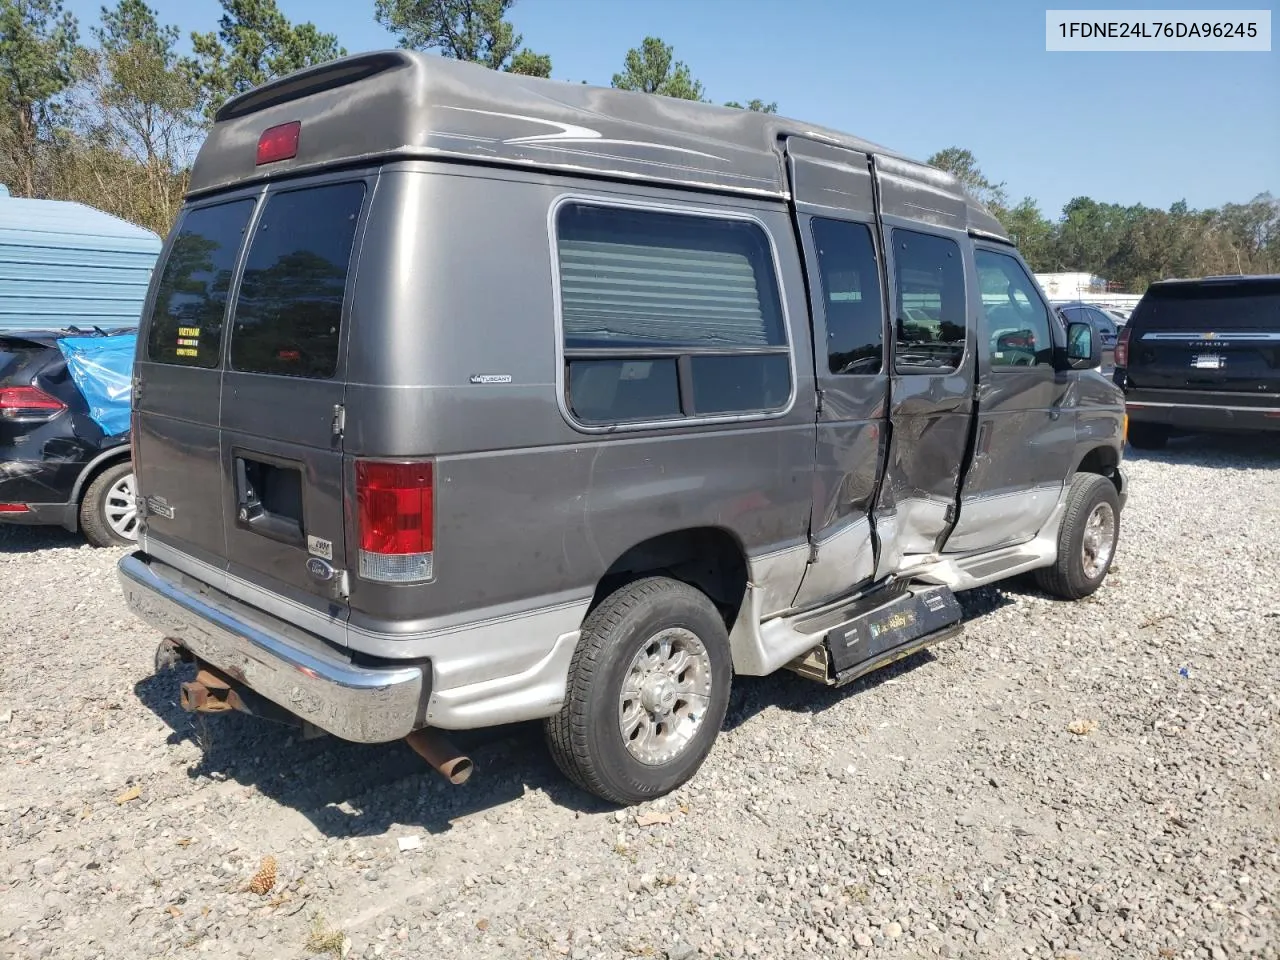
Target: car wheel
x: 1087, y: 540
x: 1148, y: 436
x: 647, y: 692
x: 108, y: 513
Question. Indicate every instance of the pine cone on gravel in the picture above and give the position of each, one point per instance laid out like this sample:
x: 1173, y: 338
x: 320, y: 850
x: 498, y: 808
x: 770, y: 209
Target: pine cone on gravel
x: 265, y: 878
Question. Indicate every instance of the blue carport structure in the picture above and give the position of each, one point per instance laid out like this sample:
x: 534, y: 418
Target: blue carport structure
x: 65, y: 265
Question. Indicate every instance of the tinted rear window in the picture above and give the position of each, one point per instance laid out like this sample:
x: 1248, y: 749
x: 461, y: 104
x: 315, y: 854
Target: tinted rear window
x: 1213, y: 307
x: 186, y: 324
x: 288, y: 317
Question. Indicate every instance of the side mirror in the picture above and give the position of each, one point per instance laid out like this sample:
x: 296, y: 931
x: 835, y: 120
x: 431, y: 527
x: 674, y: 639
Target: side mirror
x: 1084, y: 346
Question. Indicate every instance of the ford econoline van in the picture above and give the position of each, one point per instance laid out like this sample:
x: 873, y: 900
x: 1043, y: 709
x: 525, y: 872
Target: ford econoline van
x: 466, y: 398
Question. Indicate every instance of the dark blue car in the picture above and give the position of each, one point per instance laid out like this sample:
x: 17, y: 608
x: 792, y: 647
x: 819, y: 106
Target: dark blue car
x: 64, y: 432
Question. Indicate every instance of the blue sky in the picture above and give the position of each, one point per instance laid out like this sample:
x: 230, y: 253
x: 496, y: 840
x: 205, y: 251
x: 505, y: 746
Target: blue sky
x: 1146, y: 128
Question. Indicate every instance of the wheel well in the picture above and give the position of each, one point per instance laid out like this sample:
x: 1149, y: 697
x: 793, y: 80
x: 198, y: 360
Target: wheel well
x: 1102, y: 461
x: 708, y: 558
x: 96, y: 467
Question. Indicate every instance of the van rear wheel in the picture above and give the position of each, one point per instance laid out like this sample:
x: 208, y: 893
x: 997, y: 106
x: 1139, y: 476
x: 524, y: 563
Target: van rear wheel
x: 1086, y: 541
x: 647, y: 693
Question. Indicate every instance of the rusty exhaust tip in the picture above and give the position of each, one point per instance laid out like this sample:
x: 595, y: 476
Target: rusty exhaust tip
x: 443, y: 756
x: 193, y: 696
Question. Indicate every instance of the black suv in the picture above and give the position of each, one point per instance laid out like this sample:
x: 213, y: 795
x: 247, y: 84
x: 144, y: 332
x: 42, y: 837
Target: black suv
x: 1202, y: 356
x: 57, y: 467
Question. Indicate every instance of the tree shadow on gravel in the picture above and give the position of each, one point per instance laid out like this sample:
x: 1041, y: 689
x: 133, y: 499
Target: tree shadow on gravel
x: 1242, y: 451
x: 349, y: 790
x: 21, y: 539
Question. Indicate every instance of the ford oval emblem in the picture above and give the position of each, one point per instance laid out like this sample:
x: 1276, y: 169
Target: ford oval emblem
x: 320, y: 569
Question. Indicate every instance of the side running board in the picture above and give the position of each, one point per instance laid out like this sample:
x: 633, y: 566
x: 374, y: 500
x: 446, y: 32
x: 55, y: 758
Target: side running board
x: 871, y: 640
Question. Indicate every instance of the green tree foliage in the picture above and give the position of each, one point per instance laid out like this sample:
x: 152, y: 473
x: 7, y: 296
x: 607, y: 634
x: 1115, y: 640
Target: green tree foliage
x: 142, y: 113
x: 652, y: 68
x: 254, y: 43
x: 472, y: 30
x: 38, y: 55
x: 1131, y: 245
x: 964, y: 165
x: 755, y: 106
x: 1030, y: 230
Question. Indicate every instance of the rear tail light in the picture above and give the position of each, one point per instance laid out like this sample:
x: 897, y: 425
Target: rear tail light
x: 395, y: 520
x: 279, y: 143
x: 28, y: 404
x: 1122, y: 348
x: 14, y: 508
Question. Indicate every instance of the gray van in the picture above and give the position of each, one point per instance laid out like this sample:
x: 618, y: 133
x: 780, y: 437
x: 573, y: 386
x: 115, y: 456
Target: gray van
x: 466, y: 398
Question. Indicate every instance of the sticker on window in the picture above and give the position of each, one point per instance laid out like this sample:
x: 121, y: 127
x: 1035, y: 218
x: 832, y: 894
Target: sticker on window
x: 188, y: 342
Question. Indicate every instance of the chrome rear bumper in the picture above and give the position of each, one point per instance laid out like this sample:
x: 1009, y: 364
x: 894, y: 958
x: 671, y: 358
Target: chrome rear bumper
x: 361, y: 704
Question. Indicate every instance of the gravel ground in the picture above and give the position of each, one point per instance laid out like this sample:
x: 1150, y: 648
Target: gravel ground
x: 941, y: 808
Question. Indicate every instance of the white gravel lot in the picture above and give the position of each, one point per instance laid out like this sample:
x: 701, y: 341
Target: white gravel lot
x: 941, y: 808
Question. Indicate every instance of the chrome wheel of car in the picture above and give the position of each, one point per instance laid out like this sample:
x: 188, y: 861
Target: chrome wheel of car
x: 120, y: 508
x: 664, y: 696
x: 1099, y: 540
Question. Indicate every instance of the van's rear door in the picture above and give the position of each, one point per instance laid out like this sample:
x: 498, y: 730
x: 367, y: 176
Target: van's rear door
x: 282, y: 402
x: 178, y: 386
x: 1217, y: 335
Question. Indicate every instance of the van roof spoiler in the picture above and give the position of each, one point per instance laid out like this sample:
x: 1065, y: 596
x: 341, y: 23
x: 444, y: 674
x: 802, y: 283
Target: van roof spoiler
x: 311, y: 80
x: 979, y: 234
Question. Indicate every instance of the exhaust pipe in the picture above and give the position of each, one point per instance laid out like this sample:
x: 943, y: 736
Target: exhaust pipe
x: 434, y: 748
x: 208, y: 693
x: 212, y: 691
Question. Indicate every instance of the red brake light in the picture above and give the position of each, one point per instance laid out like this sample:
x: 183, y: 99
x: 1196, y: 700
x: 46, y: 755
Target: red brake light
x: 279, y: 143
x: 1122, y: 348
x: 30, y: 404
x: 14, y: 508
x: 395, y: 520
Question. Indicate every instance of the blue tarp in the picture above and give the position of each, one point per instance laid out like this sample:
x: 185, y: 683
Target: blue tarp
x: 102, y: 367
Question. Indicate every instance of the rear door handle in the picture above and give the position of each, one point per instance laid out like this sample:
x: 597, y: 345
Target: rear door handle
x: 250, y: 512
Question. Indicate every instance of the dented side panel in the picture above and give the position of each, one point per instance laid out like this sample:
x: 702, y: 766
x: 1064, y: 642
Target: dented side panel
x: 930, y: 412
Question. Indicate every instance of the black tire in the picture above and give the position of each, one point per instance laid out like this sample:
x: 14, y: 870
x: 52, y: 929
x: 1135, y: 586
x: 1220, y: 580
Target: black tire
x: 1148, y: 436
x: 94, y: 522
x: 1068, y: 578
x: 585, y: 738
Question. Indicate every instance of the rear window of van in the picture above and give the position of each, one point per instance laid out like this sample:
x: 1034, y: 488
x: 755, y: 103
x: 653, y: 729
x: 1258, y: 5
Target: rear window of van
x: 288, y: 313
x: 191, y: 300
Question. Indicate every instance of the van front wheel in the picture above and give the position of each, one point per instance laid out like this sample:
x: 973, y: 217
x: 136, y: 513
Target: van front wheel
x: 647, y: 692
x: 1087, y: 539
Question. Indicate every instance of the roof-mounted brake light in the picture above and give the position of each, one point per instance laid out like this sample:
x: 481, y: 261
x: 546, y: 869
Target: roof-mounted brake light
x: 279, y: 143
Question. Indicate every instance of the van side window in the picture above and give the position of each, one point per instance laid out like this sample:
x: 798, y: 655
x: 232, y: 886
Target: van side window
x: 191, y: 298
x: 930, y: 305
x: 668, y: 315
x: 288, y: 316
x: 854, y: 310
x: 1018, y: 325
